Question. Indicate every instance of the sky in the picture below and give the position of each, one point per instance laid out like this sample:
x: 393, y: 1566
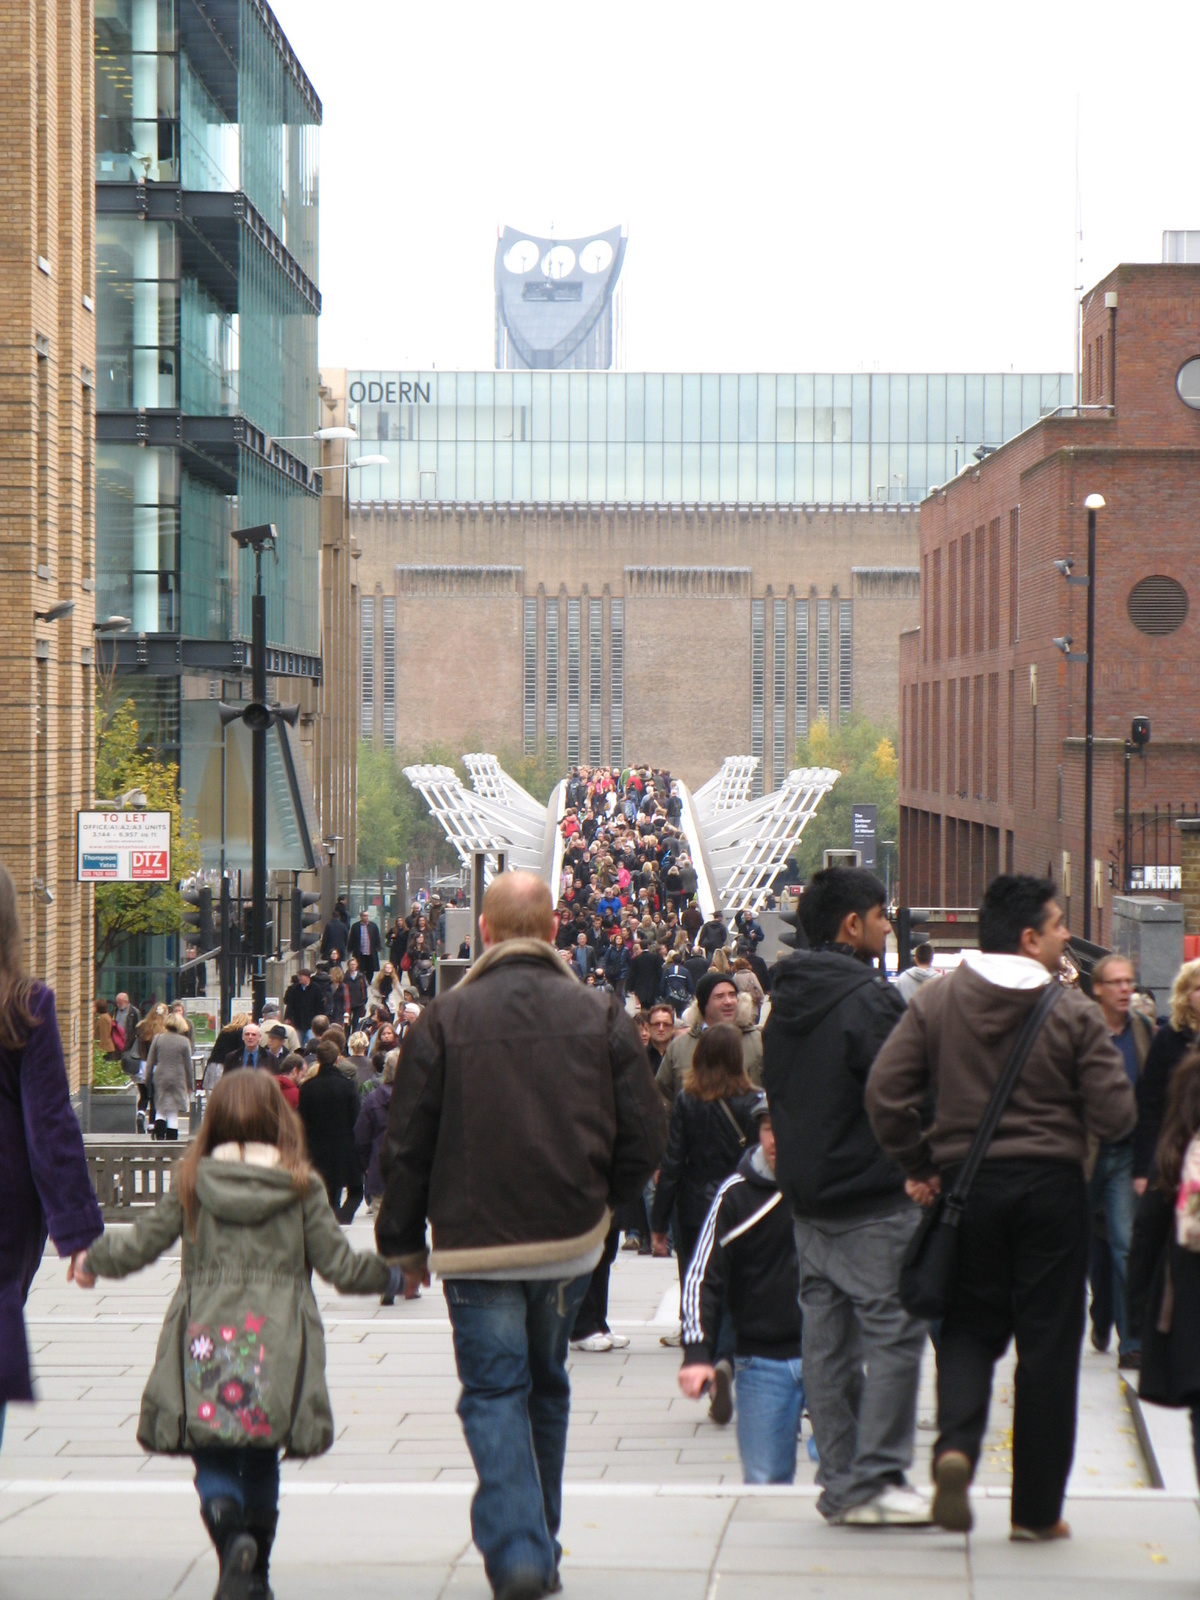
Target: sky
x: 807, y: 186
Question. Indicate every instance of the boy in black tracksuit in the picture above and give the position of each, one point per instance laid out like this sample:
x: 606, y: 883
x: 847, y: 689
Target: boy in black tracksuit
x: 746, y: 1257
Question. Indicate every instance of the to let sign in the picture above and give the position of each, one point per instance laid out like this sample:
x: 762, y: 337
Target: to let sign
x: 124, y: 847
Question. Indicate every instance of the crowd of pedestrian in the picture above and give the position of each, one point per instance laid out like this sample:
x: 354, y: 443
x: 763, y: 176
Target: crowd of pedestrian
x: 844, y: 1167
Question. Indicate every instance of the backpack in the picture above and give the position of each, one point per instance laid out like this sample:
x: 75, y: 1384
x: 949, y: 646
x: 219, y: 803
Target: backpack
x: 676, y: 986
x: 119, y: 1040
x: 1187, y: 1201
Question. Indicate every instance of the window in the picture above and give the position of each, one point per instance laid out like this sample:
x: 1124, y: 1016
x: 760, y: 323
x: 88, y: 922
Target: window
x: 366, y: 726
x: 616, y: 693
x: 823, y: 658
x: 925, y: 609
x: 977, y: 738
x: 935, y: 737
x: 573, y: 675
x: 993, y: 595
x: 925, y: 736
x: 779, y: 693
x: 845, y: 660
x: 529, y: 686
x: 914, y: 738
x: 964, y: 737
x: 952, y: 599
x: 801, y: 669
x: 964, y: 638
x: 951, y: 731
x: 551, y: 712
x: 979, y: 636
x: 595, y: 677
x: 757, y: 687
x: 993, y: 736
x: 1014, y: 570
x: 389, y: 670
x: 1012, y: 739
x: 935, y: 603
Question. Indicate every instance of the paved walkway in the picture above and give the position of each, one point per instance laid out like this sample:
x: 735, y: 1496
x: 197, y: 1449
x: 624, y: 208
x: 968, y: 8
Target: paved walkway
x: 654, y: 1502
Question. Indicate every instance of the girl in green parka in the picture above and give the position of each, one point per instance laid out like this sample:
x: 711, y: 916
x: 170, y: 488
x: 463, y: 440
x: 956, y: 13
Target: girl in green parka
x: 240, y: 1369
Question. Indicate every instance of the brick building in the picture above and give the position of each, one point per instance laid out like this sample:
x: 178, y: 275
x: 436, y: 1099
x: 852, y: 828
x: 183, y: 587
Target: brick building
x: 991, y: 711
x: 47, y: 489
x: 599, y: 566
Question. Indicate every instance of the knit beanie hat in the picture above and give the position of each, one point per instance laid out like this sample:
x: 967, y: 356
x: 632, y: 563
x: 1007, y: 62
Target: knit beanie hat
x: 706, y: 985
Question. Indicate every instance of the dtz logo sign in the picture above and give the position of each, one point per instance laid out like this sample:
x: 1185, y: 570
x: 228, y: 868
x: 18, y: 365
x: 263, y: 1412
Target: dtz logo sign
x: 148, y: 864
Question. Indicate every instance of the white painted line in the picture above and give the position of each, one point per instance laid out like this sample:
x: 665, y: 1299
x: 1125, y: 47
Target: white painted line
x: 668, y: 1308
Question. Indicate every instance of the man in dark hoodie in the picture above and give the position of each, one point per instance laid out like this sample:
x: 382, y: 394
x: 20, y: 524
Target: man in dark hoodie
x: 830, y: 1013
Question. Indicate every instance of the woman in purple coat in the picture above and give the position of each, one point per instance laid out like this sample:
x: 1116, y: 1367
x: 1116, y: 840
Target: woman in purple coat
x: 44, y: 1183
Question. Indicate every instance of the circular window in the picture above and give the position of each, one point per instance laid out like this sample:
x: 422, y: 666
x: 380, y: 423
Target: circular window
x: 597, y: 256
x: 521, y: 256
x: 558, y: 261
x: 1188, y: 383
x: 1158, y: 605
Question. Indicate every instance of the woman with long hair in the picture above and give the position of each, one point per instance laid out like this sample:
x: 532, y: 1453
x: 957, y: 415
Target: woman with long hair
x: 1163, y: 1273
x: 240, y: 1370
x: 711, y: 1125
x: 1167, y: 1049
x: 44, y: 1183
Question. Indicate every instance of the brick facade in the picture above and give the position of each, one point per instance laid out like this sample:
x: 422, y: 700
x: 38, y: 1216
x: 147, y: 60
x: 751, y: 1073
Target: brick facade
x: 991, y: 713
x: 708, y: 608
x: 47, y: 290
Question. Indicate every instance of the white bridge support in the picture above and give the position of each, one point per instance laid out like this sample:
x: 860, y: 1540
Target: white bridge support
x: 737, y: 844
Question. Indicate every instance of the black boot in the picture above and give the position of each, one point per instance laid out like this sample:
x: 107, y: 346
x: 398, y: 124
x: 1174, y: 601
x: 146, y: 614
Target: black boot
x: 160, y: 1129
x: 172, y: 1133
x: 236, y: 1549
x: 262, y: 1525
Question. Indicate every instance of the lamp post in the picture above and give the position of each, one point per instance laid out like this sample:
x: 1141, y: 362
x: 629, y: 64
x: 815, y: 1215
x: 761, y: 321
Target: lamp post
x: 1092, y: 504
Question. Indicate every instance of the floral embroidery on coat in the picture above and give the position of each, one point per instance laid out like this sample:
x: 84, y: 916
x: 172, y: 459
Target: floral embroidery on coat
x: 227, y: 1368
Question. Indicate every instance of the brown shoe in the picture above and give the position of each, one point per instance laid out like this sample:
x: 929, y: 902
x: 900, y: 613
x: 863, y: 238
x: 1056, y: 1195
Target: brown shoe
x: 951, y: 1504
x: 1060, y: 1530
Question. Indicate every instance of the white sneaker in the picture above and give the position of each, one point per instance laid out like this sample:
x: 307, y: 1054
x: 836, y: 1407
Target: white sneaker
x: 672, y: 1340
x: 894, y: 1507
x: 619, y: 1341
x: 594, y: 1343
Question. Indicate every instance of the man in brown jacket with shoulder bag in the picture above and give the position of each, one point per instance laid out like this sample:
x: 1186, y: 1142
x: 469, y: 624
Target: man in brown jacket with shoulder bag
x: 1022, y: 1250
x: 524, y: 1113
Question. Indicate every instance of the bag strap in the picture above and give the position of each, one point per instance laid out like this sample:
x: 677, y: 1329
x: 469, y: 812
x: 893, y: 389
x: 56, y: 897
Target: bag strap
x: 1000, y: 1094
x: 733, y: 1123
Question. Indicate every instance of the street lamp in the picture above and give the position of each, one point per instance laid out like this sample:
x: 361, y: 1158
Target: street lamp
x: 1093, y: 504
x: 56, y: 613
x: 112, y: 625
x: 1139, y: 738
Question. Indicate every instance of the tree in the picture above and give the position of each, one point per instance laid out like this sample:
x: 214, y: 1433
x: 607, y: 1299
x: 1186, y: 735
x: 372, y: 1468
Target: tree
x: 124, y: 910
x: 865, y: 755
x: 394, y: 824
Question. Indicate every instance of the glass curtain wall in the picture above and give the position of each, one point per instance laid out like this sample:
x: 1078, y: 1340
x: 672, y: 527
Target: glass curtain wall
x: 695, y: 437
x: 136, y: 101
x: 291, y: 577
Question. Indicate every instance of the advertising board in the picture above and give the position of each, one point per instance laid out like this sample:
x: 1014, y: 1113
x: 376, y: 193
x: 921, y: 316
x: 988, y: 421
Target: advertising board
x: 124, y: 847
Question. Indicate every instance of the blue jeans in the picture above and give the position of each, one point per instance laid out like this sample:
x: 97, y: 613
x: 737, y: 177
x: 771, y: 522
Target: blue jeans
x: 239, y: 1472
x: 510, y: 1344
x: 770, y: 1400
x: 1112, y: 1189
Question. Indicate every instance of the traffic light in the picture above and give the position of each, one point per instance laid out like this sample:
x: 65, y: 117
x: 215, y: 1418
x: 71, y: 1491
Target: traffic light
x: 795, y: 938
x: 908, y: 923
x: 303, y: 918
x: 198, y: 926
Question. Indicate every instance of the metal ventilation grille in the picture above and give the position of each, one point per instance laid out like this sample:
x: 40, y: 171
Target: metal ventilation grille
x: 1158, y: 605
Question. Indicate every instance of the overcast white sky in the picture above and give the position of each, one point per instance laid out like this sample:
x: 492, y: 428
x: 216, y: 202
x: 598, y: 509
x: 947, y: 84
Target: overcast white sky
x: 807, y: 186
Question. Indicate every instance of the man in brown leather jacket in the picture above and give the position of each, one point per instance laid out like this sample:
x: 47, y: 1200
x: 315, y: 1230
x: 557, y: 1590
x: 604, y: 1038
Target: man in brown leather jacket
x: 524, y: 1114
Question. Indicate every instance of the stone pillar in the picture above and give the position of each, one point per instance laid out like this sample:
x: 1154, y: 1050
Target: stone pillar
x: 1189, y: 856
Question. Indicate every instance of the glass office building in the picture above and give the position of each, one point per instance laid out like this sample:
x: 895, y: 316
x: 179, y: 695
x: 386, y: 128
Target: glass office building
x: 206, y: 343
x: 662, y: 438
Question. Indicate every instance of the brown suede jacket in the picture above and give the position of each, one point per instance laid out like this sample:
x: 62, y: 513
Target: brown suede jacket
x: 946, y: 1053
x: 524, y: 1111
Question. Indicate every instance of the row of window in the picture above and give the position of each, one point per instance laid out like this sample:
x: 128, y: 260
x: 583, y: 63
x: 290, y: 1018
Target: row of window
x: 971, y: 729
x: 965, y: 586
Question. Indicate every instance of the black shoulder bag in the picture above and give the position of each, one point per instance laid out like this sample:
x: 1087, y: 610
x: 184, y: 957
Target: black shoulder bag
x: 929, y: 1260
